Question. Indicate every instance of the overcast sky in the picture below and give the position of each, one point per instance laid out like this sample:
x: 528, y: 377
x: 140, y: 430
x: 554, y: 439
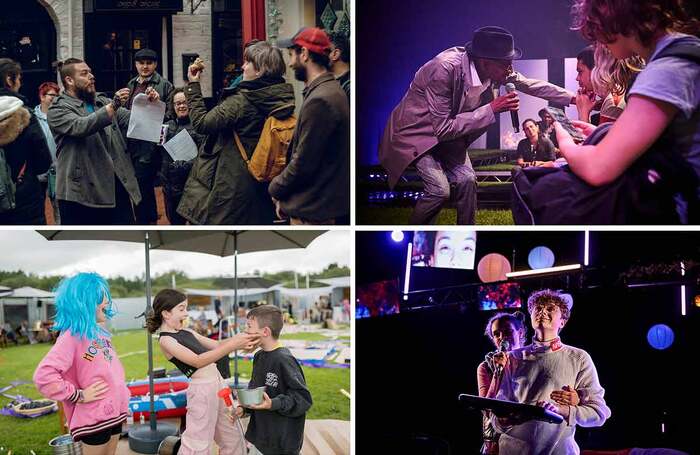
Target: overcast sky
x: 29, y: 251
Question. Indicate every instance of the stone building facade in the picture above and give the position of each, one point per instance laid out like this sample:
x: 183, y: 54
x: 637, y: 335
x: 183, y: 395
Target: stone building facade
x: 106, y: 33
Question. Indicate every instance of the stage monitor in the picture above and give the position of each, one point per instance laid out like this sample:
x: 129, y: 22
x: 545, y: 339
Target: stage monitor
x: 445, y: 249
x: 377, y: 299
x: 498, y: 296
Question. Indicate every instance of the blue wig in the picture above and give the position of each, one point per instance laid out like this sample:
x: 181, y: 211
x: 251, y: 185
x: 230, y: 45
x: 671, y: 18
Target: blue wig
x: 77, y: 299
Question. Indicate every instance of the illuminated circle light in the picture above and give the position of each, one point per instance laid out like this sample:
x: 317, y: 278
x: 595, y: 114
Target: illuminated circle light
x: 697, y: 300
x: 660, y: 336
x: 493, y: 267
x: 540, y: 257
x: 397, y: 236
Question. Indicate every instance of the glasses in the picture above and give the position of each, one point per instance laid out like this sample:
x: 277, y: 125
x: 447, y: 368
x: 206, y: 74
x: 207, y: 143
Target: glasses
x: 180, y: 103
x: 51, y: 94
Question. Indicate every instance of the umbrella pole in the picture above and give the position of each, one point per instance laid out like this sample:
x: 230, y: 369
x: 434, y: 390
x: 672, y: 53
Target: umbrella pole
x: 235, y: 305
x: 142, y: 438
x: 151, y: 414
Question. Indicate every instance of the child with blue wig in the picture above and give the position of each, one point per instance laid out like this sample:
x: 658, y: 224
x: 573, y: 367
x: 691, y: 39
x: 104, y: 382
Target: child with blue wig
x: 82, y: 369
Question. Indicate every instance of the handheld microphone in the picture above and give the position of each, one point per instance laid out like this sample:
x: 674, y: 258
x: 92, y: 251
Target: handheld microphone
x: 513, y: 114
x: 504, y: 346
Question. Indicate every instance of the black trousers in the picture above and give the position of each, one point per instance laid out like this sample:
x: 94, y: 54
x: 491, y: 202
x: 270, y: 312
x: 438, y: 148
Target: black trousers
x: 146, y: 211
x: 74, y: 213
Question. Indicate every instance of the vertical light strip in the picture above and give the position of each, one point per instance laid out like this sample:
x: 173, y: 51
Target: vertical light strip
x: 586, y: 245
x: 682, y: 290
x: 407, y: 277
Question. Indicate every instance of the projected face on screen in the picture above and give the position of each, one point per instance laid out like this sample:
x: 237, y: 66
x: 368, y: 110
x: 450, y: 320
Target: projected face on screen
x: 446, y: 249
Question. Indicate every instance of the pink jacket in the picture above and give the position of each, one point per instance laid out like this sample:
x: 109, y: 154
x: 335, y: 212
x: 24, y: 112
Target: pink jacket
x: 442, y: 107
x: 74, y: 364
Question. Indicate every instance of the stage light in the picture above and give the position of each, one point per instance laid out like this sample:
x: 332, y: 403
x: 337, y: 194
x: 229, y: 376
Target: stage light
x: 547, y: 271
x: 407, y: 277
x: 397, y: 236
x: 586, y: 248
x: 660, y: 337
x: 682, y: 290
x: 540, y: 257
x: 697, y: 301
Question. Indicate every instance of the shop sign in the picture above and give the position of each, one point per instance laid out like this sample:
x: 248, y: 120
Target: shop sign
x: 94, y: 6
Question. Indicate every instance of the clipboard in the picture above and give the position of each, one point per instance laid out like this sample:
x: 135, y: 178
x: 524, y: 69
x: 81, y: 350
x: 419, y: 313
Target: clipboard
x: 503, y: 408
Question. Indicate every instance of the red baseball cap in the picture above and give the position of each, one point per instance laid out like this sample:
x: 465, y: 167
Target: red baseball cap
x: 312, y: 38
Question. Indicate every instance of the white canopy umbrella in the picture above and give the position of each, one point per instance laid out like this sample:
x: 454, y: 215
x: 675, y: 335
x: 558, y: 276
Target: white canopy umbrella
x: 220, y: 243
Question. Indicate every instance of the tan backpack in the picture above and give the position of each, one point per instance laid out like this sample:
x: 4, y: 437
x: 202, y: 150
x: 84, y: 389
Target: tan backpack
x: 270, y: 154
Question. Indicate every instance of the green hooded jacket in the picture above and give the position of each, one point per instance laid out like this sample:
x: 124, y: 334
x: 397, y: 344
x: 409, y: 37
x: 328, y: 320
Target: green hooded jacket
x: 220, y: 190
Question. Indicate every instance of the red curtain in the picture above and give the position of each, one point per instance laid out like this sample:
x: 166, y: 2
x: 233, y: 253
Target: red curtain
x: 253, y: 12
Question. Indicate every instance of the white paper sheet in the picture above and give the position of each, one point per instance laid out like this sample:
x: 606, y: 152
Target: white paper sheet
x: 146, y: 119
x: 181, y: 147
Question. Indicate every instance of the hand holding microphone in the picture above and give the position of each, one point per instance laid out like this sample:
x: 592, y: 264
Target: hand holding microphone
x: 501, y: 358
x: 505, y: 102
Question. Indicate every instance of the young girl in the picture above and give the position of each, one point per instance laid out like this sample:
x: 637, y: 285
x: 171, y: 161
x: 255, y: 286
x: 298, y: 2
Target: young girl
x: 82, y: 369
x: 665, y: 95
x: 196, y: 356
x: 501, y: 327
x: 610, y: 79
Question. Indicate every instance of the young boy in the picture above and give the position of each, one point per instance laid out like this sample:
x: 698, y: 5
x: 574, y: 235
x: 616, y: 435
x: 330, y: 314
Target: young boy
x: 277, y: 424
x: 548, y: 370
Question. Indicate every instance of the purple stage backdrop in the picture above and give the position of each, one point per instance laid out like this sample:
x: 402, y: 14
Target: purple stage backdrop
x: 396, y: 37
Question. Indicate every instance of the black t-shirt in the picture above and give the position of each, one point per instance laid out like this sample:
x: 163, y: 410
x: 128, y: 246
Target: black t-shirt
x: 544, y: 151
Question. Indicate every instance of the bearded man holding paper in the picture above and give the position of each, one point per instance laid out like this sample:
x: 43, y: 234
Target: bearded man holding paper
x: 95, y: 180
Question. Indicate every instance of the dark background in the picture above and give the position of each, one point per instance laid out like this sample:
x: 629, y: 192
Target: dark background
x: 412, y: 366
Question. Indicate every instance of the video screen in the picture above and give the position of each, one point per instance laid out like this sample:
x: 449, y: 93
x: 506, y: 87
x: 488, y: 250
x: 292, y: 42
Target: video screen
x: 446, y: 249
x: 499, y: 296
x: 377, y: 299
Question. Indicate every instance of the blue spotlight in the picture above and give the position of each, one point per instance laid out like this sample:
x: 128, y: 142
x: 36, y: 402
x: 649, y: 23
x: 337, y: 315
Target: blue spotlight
x: 397, y: 236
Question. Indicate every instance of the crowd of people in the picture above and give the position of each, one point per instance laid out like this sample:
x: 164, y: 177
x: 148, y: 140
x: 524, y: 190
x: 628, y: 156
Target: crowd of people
x: 641, y: 69
x: 39, y: 333
x: 72, y: 149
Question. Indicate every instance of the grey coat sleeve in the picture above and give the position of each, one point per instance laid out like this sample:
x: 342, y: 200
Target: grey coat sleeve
x: 297, y: 401
x: 592, y: 410
x: 123, y: 116
x: 542, y: 89
x: 66, y: 122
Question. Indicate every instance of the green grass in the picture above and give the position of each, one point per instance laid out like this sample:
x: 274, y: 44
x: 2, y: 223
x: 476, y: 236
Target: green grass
x: 401, y: 215
x: 496, y: 167
x: 478, y: 154
x: 485, y: 184
x: 18, y: 363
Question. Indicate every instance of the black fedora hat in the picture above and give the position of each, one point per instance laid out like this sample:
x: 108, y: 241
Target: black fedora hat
x: 493, y: 42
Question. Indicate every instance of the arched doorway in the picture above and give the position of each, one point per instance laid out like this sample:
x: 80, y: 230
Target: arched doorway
x: 28, y: 35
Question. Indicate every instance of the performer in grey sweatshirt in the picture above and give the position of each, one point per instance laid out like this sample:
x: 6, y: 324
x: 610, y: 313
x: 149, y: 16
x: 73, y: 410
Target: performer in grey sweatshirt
x: 548, y: 370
